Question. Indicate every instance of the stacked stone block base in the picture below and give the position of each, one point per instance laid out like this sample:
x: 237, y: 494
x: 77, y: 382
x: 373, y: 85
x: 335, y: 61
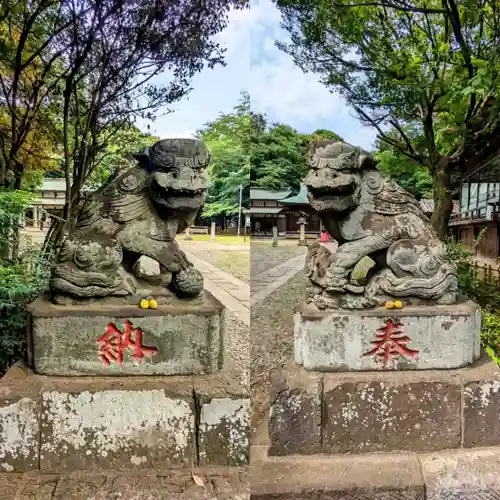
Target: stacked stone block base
x: 418, y: 411
x: 62, y: 424
x: 405, y: 435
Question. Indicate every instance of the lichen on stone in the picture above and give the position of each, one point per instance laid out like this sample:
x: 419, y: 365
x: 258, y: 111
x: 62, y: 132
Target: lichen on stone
x: 231, y: 416
x: 19, y: 431
x: 110, y: 421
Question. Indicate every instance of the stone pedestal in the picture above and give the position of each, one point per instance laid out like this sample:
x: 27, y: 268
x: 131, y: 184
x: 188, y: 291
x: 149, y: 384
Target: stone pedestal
x: 60, y: 424
x: 177, y: 338
x: 89, y: 404
x: 361, y: 412
x: 391, y: 423
x: 412, y: 338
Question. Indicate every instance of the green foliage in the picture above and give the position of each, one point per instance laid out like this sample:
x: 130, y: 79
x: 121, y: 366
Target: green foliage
x: 490, y: 335
x: 228, y: 140
x: 246, y: 150
x: 408, y: 173
x: 21, y: 279
x: 485, y: 294
x: 279, y: 156
x: 117, y: 155
x: 322, y: 133
x: 423, y: 73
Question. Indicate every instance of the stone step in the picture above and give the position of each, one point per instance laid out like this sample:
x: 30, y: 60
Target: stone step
x: 166, y: 484
x: 364, y: 412
x: 447, y: 475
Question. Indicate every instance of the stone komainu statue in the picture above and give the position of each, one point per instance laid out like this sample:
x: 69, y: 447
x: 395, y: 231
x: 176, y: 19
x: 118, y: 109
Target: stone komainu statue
x: 137, y: 213
x: 371, y: 216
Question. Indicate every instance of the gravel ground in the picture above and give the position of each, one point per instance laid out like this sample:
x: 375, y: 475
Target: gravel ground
x: 272, y: 340
x: 238, y: 346
x: 264, y: 256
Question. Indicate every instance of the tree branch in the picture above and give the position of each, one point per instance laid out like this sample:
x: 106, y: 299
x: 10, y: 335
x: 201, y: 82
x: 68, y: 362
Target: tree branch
x: 401, y: 7
x: 383, y: 136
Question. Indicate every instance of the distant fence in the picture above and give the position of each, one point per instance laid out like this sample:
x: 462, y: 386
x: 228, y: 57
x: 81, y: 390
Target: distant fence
x: 487, y: 273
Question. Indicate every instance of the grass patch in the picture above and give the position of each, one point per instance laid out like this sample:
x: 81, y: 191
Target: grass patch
x: 235, y: 263
x: 220, y: 238
x: 264, y: 257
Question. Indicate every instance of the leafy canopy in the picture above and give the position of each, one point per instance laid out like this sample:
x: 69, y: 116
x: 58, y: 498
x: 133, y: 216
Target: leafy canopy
x: 427, y: 65
x: 279, y: 156
x: 228, y: 138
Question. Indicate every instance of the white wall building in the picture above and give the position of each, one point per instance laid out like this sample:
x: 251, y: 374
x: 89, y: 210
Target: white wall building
x: 48, y: 200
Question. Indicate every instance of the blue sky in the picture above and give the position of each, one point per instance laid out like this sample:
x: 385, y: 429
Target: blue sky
x: 276, y: 86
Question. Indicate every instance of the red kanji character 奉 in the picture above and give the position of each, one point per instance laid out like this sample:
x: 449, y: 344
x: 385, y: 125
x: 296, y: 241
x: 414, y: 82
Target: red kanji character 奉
x: 114, y: 342
x: 390, y: 343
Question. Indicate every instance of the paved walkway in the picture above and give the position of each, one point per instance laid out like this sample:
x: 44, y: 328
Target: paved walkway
x: 232, y: 292
x: 266, y: 282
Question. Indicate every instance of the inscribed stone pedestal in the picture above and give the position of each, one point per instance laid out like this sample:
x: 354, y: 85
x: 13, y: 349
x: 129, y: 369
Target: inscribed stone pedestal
x: 178, y: 339
x: 414, y: 338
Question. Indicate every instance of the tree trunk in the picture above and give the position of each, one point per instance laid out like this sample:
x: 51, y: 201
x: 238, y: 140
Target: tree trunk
x: 443, y: 203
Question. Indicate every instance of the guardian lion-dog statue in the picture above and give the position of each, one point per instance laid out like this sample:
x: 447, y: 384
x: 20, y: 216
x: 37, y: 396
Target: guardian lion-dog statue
x: 137, y: 213
x: 371, y: 216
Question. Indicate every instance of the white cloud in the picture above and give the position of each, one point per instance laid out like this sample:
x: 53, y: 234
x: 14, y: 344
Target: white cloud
x: 277, y: 87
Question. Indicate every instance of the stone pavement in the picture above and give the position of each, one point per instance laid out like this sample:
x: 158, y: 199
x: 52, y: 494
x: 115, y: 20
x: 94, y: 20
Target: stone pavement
x: 266, y: 282
x: 170, y: 484
x: 232, y: 292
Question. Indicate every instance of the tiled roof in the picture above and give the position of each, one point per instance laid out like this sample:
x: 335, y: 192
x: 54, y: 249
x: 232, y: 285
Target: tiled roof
x: 53, y: 185
x: 268, y: 194
x: 299, y: 199
x: 264, y: 210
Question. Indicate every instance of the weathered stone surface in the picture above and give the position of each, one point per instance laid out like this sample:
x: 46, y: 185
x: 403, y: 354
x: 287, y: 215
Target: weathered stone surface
x: 295, y: 413
x: 38, y: 487
x: 224, y: 421
x: 137, y: 213
x: 10, y: 484
x: 379, y: 477
x: 437, y: 337
x: 481, y: 400
x: 371, y: 216
x: 391, y: 411
x: 188, y: 338
x: 221, y: 483
x: 117, y: 428
x: 462, y: 474
x: 19, y: 422
x: 171, y: 485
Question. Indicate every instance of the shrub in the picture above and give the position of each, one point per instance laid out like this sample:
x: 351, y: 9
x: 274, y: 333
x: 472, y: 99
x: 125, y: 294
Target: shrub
x: 23, y: 274
x: 487, y: 295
